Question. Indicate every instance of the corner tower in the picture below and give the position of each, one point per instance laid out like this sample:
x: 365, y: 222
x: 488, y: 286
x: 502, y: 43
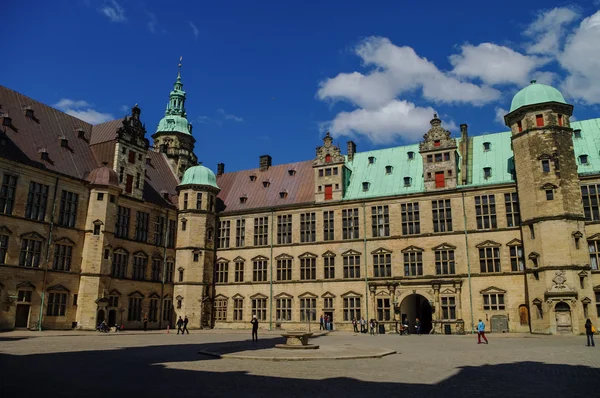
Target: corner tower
x: 553, y: 228
x: 173, y: 136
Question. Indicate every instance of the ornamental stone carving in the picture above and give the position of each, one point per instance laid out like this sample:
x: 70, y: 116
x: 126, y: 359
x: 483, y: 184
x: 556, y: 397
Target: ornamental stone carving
x: 437, y: 137
x: 328, y: 153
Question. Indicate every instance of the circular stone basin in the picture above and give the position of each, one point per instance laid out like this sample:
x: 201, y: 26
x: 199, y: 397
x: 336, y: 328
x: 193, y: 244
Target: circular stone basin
x: 297, y: 341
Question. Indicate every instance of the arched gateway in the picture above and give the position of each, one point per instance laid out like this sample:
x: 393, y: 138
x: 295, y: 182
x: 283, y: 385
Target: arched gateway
x: 416, y: 306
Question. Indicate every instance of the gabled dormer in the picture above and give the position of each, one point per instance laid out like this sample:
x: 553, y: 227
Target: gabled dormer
x: 329, y: 171
x: 440, y: 157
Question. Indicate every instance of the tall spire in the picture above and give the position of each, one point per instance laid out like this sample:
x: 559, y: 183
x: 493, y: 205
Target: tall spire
x: 176, y: 105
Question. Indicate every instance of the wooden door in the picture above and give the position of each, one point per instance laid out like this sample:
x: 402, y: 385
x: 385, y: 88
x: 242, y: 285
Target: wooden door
x: 523, y: 315
x: 22, y: 317
x: 328, y: 192
x: 439, y: 179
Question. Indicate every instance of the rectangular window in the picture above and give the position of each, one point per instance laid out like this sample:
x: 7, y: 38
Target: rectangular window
x: 224, y: 230
x: 413, y: 264
x: 549, y: 194
x: 131, y: 157
x: 129, y: 184
x: 57, y: 304
x: 185, y: 201
x: 240, y: 233
x: 169, y: 272
x: 328, y: 303
x: 517, y: 263
x: 3, y: 248
x: 199, y: 201
x: 259, y: 271
x: 328, y: 192
x: 328, y: 225
x: 444, y: 262
x: 351, y: 267
x: 31, y: 251
x: 308, y: 227
x: 448, y: 307
x: 429, y: 158
x: 511, y: 202
x: 113, y: 301
x: 442, y: 215
x: 238, y: 309
x: 259, y: 308
x: 7, y: 193
x: 220, y: 310
x: 308, y: 268
x: 134, y: 312
x: 119, y: 265
x: 519, y: 126
x: 539, y: 120
x: 489, y: 259
x: 283, y: 309
x: 24, y: 296
x: 594, y: 250
x: 411, y: 224
x: 68, y: 209
x: 329, y: 267
x: 156, y: 267
x: 438, y: 157
x: 546, y: 165
x: 140, y: 264
x: 36, y: 201
x: 485, y: 211
x: 327, y: 172
x: 351, y: 308
x: 284, y: 269
x: 239, y: 271
x: 591, y: 197
x: 261, y: 231
x: 308, y: 309
x: 384, y: 310
x: 122, y: 226
x: 350, y: 224
x: 284, y: 229
x: 493, y: 302
x: 211, y: 203
x: 62, y: 257
x: 141, y: 226
x: 159, y: 230
x: 153, y: 312
x: 382, y: 265
x: 380, y: 221
x: 222, y: 272
x: 167, y: 314
x: 171, y: 233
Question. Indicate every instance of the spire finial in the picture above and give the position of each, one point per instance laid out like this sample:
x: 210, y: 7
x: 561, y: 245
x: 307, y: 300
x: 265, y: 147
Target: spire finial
x: 179, y: 70
x: 533, y: 81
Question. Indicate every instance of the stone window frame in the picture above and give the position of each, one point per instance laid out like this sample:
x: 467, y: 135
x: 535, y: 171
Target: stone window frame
x: 380, y: 221
x: 308, y: 302
x: 223, y: 239
x: 284, y: 229
x: 350, y: 223
x: 221, y: 303
x: 489, y: 255
x: 308, y: 227
x: 352, y: 306
x: 485, y: 211
x: 284, y: 266
x: 351, y: 264
x: 328, y: 301
x: 58, y: 297
x: 382, y: 263
x: 134, y: 306
x: 139, y: 266
x: 63, y: 254
x: 411, y: 218
x: 328, y: 225
x: 328, y: 265
x: 513, y: 212
x: 441, y: 214
x: 119, y: 269
x: 412, y: 261
x: 594, y: 252
x: 283, y: 307
x: 142, y: 226
x: 448, y: 307
x: 153, y: 306
x: 445, y: 259
x: 261, y: 231
x: 31, y: 249
x: 67, y: 214
x: 493, y: 299
x: 591, y: 194
x: 259, y: 269
x: 259, y: 306
x: 240, y: 232
x: 516, y: 255
x: 4, y: 242
x: 383, y: 306
x: 239, y: 268
x: 221, y: 271
x: 9, y: 187
x: 308, y: 266
x: 122, y: 222
x: 37, y: 201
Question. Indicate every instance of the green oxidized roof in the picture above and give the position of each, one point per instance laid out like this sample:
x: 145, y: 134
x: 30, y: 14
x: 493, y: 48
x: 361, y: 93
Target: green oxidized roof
x: 174, y: 123
x: 536, y: 94
x: 199, y: 175
x: 175, y: 115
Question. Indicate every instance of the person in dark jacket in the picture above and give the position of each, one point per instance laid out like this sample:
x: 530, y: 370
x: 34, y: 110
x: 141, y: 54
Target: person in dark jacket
x: 179, y: 325
x: 254, y: 323
x: 185, y: 323
x: 589, y: 333
x: 145, y: 322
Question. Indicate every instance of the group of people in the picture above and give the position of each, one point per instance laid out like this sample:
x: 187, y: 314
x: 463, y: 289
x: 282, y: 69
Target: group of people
x: 325, y: 322
x: 182, y: 325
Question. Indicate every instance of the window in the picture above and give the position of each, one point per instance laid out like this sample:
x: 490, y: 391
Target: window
x: 411, y: 155
x: 328, y: 225
x: 240, y: 233
x: 388, y: 169
x: 68, y: 209
x: 351, y: 266
x: 485, y: 211
x: 222, y: 274
x: 549, y: 194
x: 122, y: 227
x: 382, y: 265
x: 266, y: 184
x: 140, y: 263
x: 57, y: 304
x: 284, y: 268
x: 141, y: 226
x: 119, y: 265
x: 169, y: 271
x: 329, y: 267
x: 292, y: 172
x: 131, y: 157
x: 261, y: 231
x: 196, y: 256
x: 380, y: 221
x: 121, y: 171
x: 438, y: 157
x: 62, y: 257
x: 327, y: 172
x: 486, y: 146
x: 410, y: 218
x: 171, y: 233
x: 371, y: 159
x: 259, y: 271
x: 97, y: 229
x: 517, y: 262
x: 283, y: 309
x: 321, y: 173
x: 224, y: 227
x: 24, y: 296
x: 159, y: 230
x: 591, y: 197
x: 7, y: 193
x: 134, y: 312
x: 365, y: 186
x: 413, y: 263
x: 539, y: 120
x: 448, y: 307
x: 198, y: 201
x: 335, y: 171
x: 308, y: 227
x: 106, y: 254
x: 308, y: 309
x: 351, y: 308
x: 259, y: 308
x: 583, y: 159
x: 185, y: 201
x: 487, y: 172
x: 328, y: 158
x: 284, y: 229
x: 519, y: 126
x: 308, y: 268
x: 138, y: 180
x: 489, y: 259
x: 167, y: 310
x: 577, y: 133
x: 384, y: 312
x: 3, y: 248
x: 220, y: 310
x: 239, y: 271
x: 493, y: 302
x: 594, y: 250
x: 442, y: 215
x: 546, y: 165
x: 181, y: 274
x: 444, y: 262
x: 75, y: 300
x: 36, y: 201
x: 513, y: 217
x: 156, y: 266
x: 113, y: 301
x: 153, y: 312
x: 183, y: 224
x: 407, y: 181
x: 350, y: 224
x: 211, y: 203
x: 252, y: 178
x: 238, y: 309
x: 31, y: 250
x: 328, y: 302
x: 429, y: 158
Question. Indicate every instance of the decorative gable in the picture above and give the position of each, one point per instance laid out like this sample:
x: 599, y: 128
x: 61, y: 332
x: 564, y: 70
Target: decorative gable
x: 259, y: 258
x: 4, y: 230
x: 64, y: 241
x: 411, y: 249
x: 140, y: 253
x: 488, y: 243
x: 238, y: 296
x: 58, y: 288
x: 258, y: 296
x: 239, y: 259
x: 586, y: 300
x: 328, y: 153
x: 351, y: 253
x: 179, y: 298
x: 222, y: 260
x: 219, y: 297
x: 137, y: 293
x: 307, y: 295
x: 515, y: 242
x: 32, y: 235
x: 284, y: 256
x: 577, y: 235
x: 549, y: 186
x: 594, y: 237
x: 537, y: 302
x: 114, y: 292
x: 381, y: 250
x: 328, y: 295
x: 448, y: 291
x: 351, y: 294
x: 437, y: 137
x: 283, y: 296
x: 493, y: 290
x: 444, y: 246
x: 25, y: 285
x: 154, y: 295
x: 307, y: 255
x: 328, y: 253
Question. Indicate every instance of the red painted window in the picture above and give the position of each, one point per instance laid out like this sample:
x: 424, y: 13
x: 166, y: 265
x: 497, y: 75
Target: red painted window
x: 131, y: 157
x: 439, y: 179
x: 560, y: 122
x: 129, y: 184
x: 328, y: 192
x: 327, y: 158
x: 539, y: 120
x: 519, y: 126
x: 436, y: 143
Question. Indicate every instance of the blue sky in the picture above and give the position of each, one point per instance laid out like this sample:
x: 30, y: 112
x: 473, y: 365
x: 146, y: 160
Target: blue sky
x: 269, y: 77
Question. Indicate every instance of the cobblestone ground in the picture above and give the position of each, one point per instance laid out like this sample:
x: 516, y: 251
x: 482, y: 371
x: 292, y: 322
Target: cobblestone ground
x: 156, y: 364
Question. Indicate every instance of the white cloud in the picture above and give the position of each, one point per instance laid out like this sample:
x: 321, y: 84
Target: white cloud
x: 495, y: 64
x: 500, y: 113
x: 114, y: 11
x: 195, y: 30
x: 548, y: 30
x: 82, y: 110
x: 124, y: 108
x: 229, y: 116
x: 152, y: 21
x: 203, y: 119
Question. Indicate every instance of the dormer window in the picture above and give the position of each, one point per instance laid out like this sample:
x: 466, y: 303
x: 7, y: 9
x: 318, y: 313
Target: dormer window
x: 411, y: 155
x: 487, y: 146
x: 81, y: 134
x: 64, y: 142
x: 371, y: 159
x: 283, y: 194
x: 292, y: 172
x: 487, y: 172
x: 407, y: 181
x: 365, y: 186
x: 6, y: 121
x: 44, y: 154
x: 148, y: 161
x: 252, y: 178
x: 29, y: 112
x: 389, y: 169
x: 577, y: 133
x: 266, y: 184
x: 583, y: 159
x: 243, y: 199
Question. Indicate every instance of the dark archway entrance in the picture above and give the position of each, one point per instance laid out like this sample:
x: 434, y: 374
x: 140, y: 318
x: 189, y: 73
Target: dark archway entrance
x: 413, y: 307
x: 100, y: 317
x: 112, y: 318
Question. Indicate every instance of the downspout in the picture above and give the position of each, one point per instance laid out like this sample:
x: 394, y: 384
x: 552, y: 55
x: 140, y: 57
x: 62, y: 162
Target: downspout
x: 164, y: 271
x: 366, y: 269
x: 271, y: 276
x: 214, y: 267
x: 468, y: 263
x: 48, y: 246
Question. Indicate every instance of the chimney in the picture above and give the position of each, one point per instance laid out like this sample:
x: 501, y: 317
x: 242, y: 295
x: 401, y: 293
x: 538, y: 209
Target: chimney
x: 351, y: 150
x: 464, y: 152
x: 220, y: 168
x: 265, y: 162
x: 464, y: 134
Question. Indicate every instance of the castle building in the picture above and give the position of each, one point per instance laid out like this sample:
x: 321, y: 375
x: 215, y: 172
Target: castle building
x: 97, y: 224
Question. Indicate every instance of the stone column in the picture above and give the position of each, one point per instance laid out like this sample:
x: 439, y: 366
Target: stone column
x: 372, y: 290
x: 458, y: 301
x: 436, y: 301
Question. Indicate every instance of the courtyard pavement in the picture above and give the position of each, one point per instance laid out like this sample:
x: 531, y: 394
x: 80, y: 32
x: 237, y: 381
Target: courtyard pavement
x: 156, y: 364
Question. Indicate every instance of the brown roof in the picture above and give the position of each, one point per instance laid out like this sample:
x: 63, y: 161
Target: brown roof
x: 299, y: 187
x: 160, y: 180
x: 106, y: 131
x: 103, y: 176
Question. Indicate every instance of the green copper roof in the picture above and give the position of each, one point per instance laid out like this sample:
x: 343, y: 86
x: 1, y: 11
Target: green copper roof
x: 174, y: 123
x: 588, y: 144
x: 536, y: 94
x: 199, y: 175
x: 175, y: 115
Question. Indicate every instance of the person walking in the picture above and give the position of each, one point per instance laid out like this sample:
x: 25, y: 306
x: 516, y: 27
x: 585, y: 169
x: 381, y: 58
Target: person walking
x: 363, y: 325
x: 321, y: 324
x: 481, y: 332
x: 145, y: 322
x: 254, y: 323
x: 589, y: 331
x: 185, y: 323
x: 372, y: 327
x: 418, y: 326
x: 179, y: 325
x: 355, y: 325
x: 327, y: 322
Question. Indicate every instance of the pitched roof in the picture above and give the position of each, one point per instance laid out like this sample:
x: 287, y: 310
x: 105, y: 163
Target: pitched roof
x: 106, y: 131
x: 588, y: 144
x: 159, y: 179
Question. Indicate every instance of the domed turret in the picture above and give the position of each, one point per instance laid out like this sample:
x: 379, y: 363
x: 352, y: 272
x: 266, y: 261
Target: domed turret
x: 104, y: 176
x: 199, y: 175
x: 536, y: 94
